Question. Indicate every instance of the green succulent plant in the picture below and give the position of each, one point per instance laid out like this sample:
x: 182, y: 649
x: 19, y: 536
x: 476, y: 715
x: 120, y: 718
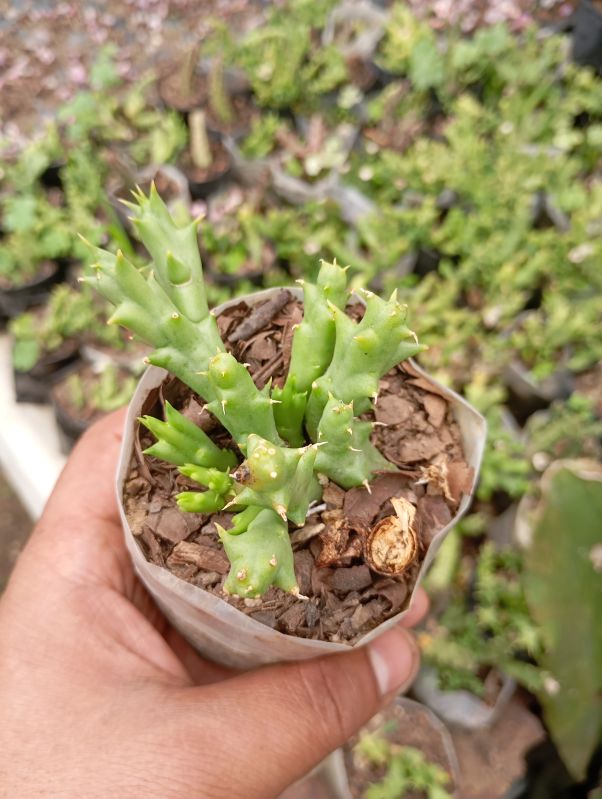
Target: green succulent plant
x: 69, y: 315
x: 278, y: 478
x: 494, y: 629
x: 108, y: 390
x: 407, y: 770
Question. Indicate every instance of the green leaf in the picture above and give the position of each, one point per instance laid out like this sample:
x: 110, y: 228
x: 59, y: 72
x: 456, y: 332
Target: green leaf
x: 25, y: 355
x: 563, y: 585
x: 427, y: 68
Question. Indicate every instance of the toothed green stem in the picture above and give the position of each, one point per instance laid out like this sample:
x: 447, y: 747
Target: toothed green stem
x: 216, y: 480
x: 176, y: 258
x: 200, y: 148
x: 218, y: 94
x: 312, y: 349
x: 181, y: 442
x: 363, y: 353
x: 168, y: 309
x: 347, y: 457
x: 238, y: 404
x: 289, y: 412
x: 200, y: 501
x: 279, y: 478
x: 260, y: 556
x: 242, y: 520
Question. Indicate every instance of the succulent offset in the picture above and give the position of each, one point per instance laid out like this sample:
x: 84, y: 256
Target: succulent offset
x: 286, y: 437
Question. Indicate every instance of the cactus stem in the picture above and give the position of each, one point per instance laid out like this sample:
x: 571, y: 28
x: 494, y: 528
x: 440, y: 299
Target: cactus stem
x: 366, y: 485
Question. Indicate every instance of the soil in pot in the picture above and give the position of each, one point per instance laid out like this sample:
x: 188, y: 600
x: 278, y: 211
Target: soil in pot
x: 18, y: 297
x: 35, y: 384
x: 344, y: 597
x: 205, y: 181
x: 403, y: 725
x: 83, y: 397
x: 183, y: 89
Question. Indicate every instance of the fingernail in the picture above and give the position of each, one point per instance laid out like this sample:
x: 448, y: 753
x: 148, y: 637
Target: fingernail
x: 395, y: 658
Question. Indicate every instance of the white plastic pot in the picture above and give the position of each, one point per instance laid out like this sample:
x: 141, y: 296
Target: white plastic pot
x: 215, y: 628
x: 335, y: 768
x: 461, y: 708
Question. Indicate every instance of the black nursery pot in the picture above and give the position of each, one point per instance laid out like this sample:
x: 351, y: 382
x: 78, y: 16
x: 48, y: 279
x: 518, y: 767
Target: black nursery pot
x: 587, y: 35
x: 36, y: 384
x: 70, y: 427
x: 51, y: 176
x: 203, y: 188
x: 16, y: 299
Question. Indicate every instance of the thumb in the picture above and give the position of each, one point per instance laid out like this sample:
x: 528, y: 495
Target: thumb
x: 283, y: 720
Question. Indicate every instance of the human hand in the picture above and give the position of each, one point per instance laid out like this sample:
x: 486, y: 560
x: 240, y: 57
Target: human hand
x: 100, y: 697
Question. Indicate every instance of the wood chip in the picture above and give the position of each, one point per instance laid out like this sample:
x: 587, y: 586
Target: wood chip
x: 361, y: 507
x: 203, y: 557
x: 304, y: 564
x: 306, y: 533
x: 422, y: 447
x: 154, y: 548
x: 460, y: 478
x: 432, y: 515
x: 333, y: 495
x: 353, y: 578
x: 169, y: 524
x: 261, y: 315
x: 393, y: 410
x: 436, y: 409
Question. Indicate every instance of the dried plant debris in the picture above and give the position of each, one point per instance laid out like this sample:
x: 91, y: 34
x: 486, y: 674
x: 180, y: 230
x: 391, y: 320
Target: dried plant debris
x: 359, y: 552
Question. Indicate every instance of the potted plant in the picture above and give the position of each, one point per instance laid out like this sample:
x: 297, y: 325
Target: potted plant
x: 234, y: 250
x: 206, y: 163
x: 405, y: 751
x: 46, y: 342
x: 33, y: 248
x: 307, y: 165
x: 252, y: 472
x: 481, y: 644
x: 86, y: 395
x: 182, y: 89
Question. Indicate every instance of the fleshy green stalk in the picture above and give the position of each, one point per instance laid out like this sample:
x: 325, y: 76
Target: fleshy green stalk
x: 313, y: 346
x: 261, y: 556
x: 168, y: 309
x: 347, y: 456
x: 279, y: 478
x: 181, y: 442
x: 364, y: 351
